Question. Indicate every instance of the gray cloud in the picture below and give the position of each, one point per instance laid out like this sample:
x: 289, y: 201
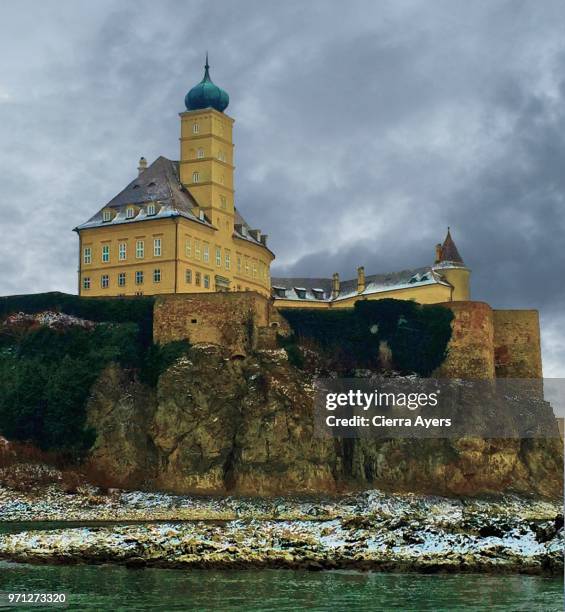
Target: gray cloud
x: 360, y: 133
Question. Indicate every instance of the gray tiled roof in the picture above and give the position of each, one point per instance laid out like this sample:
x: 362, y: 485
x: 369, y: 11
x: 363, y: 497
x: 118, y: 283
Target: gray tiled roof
x: 374, y: 283
x: 159, y: 183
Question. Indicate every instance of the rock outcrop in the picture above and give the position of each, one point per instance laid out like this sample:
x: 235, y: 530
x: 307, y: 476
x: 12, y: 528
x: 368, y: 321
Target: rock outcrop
x: 217, y: 425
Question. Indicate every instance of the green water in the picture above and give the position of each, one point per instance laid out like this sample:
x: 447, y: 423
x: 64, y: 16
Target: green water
x: 117, y: 588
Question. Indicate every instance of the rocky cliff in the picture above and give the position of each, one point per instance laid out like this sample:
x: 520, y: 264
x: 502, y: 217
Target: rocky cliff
x: 215, y: 425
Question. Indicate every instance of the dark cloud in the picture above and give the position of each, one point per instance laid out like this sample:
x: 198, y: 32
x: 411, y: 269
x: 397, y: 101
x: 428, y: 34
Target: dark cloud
x: 361, y: 133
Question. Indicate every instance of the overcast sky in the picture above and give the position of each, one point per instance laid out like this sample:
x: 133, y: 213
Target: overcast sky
x: 362, y: 131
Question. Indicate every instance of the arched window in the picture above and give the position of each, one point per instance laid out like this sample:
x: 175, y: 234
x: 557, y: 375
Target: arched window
x: 196, y: 177
x: 195, y: 128
x: 151, y: 210
x: 130, y: 213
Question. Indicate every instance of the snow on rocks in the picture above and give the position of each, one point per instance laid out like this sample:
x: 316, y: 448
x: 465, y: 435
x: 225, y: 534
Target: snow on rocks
x: 369, y: 530
x: 48, y: 318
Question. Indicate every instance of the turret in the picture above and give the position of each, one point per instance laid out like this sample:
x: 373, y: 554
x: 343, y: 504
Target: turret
x: 450, y: 264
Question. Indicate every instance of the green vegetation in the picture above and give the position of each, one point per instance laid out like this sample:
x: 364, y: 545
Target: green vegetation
x: 46, y: 374
x: 416, y: 335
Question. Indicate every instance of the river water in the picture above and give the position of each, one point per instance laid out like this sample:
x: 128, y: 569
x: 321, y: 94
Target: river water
x: 115, y: 588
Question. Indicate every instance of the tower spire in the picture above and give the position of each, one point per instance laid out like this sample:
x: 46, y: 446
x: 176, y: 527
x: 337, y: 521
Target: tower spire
x: 206, y: 69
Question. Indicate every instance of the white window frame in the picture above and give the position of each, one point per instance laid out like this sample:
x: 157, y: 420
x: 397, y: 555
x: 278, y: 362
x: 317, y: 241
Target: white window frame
x: 188, y: 247
x: 227, y: 259
x: 188, y: 276
x: 206, y: 281
x: 206, y: 252
x: 195, y: 128
x: 151, y: 210
x: 105, y: 281
x: 87, y: 255
x: 157, y: 250
x: 219, y: 257
x: 122, y: 279
x: 196, y: 177
x: 86, y: 283
x: 106, y: 216
x: 197, y: 248
x: 122, y: 251
x: 130, y: 212
x: 139, y: 277
x: 139, y: 249
x: 105, y: 253
x: 157, y: 275
x: 200, y: 153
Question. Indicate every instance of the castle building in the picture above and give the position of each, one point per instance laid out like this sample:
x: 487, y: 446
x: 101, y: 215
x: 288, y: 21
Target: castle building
x: 175, y: 229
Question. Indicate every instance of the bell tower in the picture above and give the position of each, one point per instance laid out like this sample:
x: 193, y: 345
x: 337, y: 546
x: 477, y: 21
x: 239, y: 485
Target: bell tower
x: 206, y: 151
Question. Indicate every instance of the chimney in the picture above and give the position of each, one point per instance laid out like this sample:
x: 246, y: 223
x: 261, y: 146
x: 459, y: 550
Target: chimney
x: 360, y: 279
x: 335, y: 285
x: 438, y: 253
x: 142, y: 165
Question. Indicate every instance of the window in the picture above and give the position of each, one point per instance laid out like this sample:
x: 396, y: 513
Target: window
x: 246, y: 266
x: 218, y: 256
x: 122, y: 251
x: 157, y: 247
x: 104, y: 281
x: 106, y: 216
x: 197, y: 279
x: 200, y: 153
x: 239, y: 263
x: 188, y: 247
x: 228, y: 259
x: 130, y: 213
x: 223, y: 202
x: 122, y: 279
x: 195, y: 128
x: 151, y: 210
x: 254, y: 269
x: 279, y: 292
x: 206, y: 252
x: 87, y: 255
x: 157, y: 275
x: 139, y: 277
x: 197, y: 249
x: 195, y: 177
x: 139, y: 249
x: 206, y: 281
x: 300, y: 292
x: 188, y: 276
x: 86, y: 282
x: 105, y: 253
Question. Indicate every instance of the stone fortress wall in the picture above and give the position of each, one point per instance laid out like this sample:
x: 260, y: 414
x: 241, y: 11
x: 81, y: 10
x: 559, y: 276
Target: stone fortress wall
x: 485, y: 344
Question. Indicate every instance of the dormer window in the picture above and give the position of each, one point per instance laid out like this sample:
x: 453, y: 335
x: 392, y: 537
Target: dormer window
x: 106, y: 216
x: 130, y: 212
x: 151, y: 210
x: 300, y: 292
x: 279, y: 292
x: 318, y: 294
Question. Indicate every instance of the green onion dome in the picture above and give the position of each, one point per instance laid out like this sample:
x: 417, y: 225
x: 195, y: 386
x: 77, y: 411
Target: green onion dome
x: 206, y: 94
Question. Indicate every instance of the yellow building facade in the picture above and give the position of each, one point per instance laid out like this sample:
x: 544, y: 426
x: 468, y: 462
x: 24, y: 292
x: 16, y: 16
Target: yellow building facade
x: 175, y: 227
